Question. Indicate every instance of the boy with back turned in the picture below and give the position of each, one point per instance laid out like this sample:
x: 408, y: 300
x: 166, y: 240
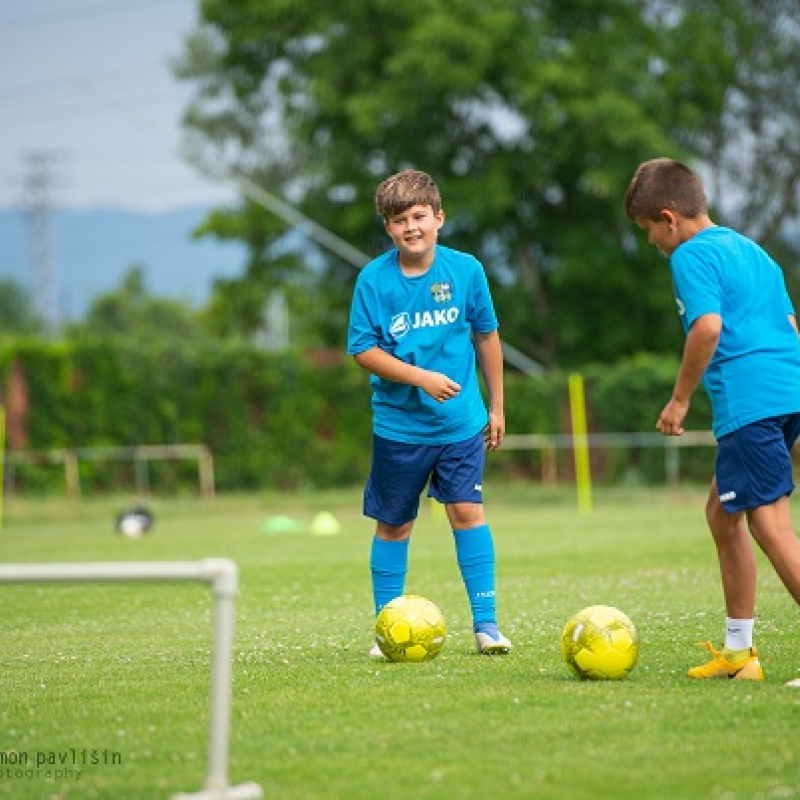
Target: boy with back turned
x: 742, y: 342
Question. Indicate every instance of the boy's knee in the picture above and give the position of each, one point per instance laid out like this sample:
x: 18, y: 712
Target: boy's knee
x: 394, y: 533
x: 713, y: 508
x: 466, y: 515
x: 722, y: 524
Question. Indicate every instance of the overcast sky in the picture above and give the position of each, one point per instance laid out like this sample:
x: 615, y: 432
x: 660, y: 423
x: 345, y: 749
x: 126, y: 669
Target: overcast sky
x: 87, y: 85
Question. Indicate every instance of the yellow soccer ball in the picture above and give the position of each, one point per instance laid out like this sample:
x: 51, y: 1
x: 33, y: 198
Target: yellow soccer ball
x: 600, y: 643
x: 410, y: 628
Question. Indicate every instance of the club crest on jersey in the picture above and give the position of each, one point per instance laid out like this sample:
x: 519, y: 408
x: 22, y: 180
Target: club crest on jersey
x: 401, y: 324
x: 441, y: 292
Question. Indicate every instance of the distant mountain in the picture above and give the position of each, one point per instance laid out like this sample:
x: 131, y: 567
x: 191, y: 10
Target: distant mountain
x: 92, y: 249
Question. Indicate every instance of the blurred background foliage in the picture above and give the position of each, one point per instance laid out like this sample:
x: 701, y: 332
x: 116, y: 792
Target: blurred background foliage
x: 531, y: 116
x: 288, y: 422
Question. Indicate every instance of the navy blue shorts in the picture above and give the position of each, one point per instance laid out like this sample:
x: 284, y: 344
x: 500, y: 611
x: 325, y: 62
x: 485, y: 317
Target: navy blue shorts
x: 400, y: 471
x: 754, y: 463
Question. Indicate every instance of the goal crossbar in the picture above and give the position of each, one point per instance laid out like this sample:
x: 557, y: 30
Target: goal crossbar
x: 222, y: 575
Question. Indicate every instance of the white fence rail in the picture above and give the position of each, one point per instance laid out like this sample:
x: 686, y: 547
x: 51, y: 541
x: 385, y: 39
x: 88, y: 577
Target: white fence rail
x: 69, y: 459
x: 548, y: 444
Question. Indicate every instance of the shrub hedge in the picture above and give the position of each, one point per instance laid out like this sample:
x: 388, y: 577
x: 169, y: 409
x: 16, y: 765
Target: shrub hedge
x: 286, y: 421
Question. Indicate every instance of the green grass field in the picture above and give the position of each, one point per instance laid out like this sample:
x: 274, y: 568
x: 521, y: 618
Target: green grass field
x: 121, y: 672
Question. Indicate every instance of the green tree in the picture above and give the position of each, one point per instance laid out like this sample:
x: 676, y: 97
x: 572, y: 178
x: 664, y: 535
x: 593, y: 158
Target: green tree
x: 16, y: 310
x: 531, y: 116
x: 746, y: 131
x: 131, y: 313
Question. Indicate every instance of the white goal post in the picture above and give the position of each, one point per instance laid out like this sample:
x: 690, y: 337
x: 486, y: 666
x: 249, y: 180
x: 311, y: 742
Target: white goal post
x: 222, y: 575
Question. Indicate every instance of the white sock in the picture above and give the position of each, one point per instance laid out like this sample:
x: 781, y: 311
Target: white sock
x: 738, y: 633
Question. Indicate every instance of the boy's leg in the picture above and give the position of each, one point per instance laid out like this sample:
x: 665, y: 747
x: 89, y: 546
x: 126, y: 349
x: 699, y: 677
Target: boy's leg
x: 738, y: 659
x: 759, y: 466
x: 737, y: 563
x: 456, y: 482
x: 476, y: 559
x: 754, y: 465
x: 388, y: 563
x: 475, y: 555
x: 398, y: 475
x: 771, y: 522
x: 771, y: 526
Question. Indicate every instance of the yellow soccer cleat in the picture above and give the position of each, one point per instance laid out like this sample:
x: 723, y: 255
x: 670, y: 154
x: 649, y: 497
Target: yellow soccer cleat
x: 747, y: 668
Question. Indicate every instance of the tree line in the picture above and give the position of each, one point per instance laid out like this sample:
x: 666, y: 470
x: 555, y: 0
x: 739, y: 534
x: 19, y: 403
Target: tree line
x: 532, y: 117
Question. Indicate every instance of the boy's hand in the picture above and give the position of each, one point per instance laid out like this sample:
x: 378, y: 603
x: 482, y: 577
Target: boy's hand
x: 439, y: 386
x: 495, y: 430
x: 670, y: 421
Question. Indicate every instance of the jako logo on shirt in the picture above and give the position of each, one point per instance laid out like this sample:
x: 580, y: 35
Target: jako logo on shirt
x: 681, y: 307
x: 402, y: 323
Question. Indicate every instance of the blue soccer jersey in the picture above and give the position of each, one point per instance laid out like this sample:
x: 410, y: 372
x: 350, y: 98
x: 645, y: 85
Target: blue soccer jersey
x: 755, y: 371
x: 425, y: 320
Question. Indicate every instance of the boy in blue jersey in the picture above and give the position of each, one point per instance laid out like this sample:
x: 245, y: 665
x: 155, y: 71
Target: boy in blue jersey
x: 420, y: 314
x: 742, y: 341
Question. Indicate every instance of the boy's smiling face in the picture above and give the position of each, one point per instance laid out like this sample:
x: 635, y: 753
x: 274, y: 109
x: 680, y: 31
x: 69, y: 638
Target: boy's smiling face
x: 414, y: 233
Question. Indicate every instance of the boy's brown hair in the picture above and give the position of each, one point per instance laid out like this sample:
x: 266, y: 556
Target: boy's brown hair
x: 400, y: 191
x: 665, y: 183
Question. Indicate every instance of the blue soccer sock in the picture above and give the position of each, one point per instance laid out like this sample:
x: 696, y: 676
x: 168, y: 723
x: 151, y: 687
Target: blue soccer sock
x: 475, y: 556
x: 388, y: 564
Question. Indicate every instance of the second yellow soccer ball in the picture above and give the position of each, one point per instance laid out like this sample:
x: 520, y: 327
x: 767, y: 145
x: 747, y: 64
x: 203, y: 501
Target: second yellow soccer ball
x: 600, y: 643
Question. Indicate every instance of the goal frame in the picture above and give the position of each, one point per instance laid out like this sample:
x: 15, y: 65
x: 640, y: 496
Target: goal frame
x: 222, y: 575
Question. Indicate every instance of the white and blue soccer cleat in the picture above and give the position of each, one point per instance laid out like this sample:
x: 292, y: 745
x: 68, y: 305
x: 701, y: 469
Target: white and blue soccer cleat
x: 376, y: 654
x: 490, y: 641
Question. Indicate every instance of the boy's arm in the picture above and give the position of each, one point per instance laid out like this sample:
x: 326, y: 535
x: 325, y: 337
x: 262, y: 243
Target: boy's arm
x: 701, y: 343
x: 490, y: 357
x: 380, y: 363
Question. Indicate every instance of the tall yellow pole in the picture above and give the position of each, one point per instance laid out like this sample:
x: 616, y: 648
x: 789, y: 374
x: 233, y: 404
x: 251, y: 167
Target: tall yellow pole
x: 580, y: 443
